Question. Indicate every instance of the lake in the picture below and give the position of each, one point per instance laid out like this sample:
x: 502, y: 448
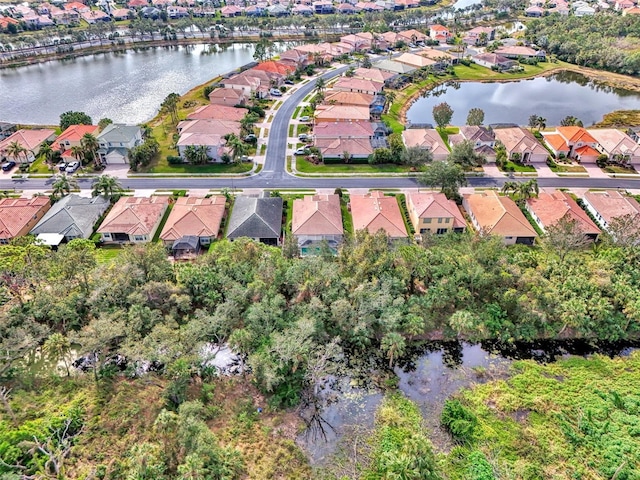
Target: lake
x: 553, y: 97
x: 127, y: 87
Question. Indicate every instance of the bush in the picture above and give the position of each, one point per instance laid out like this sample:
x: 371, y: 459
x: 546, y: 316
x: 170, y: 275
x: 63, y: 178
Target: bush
x: 174, y: 160
x: 459, y: 420
x: 479, y: 468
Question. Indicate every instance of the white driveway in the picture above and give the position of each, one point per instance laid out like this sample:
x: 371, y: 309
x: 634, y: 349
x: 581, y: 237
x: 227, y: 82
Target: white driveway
x: 594, y: 171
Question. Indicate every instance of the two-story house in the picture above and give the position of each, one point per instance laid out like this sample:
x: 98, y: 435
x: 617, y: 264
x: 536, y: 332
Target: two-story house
x: 116, y: 140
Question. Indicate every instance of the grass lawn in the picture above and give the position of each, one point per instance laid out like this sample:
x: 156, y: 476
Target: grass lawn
x: 304, y: 166
x: 107, y: 253
x: 296, y: 111
x: 517, y: 167
x: 476, y: 72
x: 215, y: 168
x: 156, y: 237
x: 619, y: 169
x: 445, y: 132
x: 288, y: 205
x: 347, y: 220
x: 40, y: 166
x: 291, y: 130
x: 560, y: 168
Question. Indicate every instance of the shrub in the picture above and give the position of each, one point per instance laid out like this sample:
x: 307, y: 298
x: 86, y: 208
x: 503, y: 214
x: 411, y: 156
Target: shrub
x: 479, y: 468
x: 174, y: 160
x: 459, y: 420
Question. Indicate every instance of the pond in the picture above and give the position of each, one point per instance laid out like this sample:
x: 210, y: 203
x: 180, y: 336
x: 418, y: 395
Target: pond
x: 127, y: 87
x: 428, y: 374
x: 553, y: 97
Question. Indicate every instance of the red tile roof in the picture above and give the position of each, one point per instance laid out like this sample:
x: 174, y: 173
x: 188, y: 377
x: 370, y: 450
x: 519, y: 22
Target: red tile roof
x: 75, y: 133
x: 16, y: 213
x: 551, y: 207
x: 374, y: 212
x: 134, y: 215
x: 317, y: 215
x: 197, y: 216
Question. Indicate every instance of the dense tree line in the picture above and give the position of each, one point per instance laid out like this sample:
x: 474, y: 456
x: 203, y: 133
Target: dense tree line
x: 607, y: 42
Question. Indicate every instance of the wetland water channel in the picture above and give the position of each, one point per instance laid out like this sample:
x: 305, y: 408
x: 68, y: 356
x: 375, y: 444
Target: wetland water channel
x: 428, y: 374
x: 553, y: 97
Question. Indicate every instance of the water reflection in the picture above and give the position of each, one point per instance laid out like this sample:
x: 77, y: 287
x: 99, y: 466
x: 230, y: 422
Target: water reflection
x: 553, y: 97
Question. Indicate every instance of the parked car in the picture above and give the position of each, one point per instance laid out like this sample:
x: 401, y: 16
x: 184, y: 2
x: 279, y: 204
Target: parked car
x: 275, y: 92
x: 304, y: 118
x: 289, y: 82
x: 6, y: 166
x: 72, y: 167
x: 62, y: 166
x: 303, y: 137
x: 302, y: 151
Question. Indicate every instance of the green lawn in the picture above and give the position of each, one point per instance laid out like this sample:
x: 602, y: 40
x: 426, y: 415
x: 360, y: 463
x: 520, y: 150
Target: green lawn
x: 347, y: 220
x: 162, y: 222
x: 107, y: 253
x: 296, y: 111
x: 517, y: 167
x: 214, y: 168
x: 619, y: 169
x: 304, y: 166
x: 476, y: 72
x: 40, y: 166
x: 560, y: 168
x: 445, y: 132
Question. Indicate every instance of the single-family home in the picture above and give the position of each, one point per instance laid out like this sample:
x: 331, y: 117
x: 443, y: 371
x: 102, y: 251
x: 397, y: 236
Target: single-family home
x: 417, y: 61
x: 230, y: 11
x: 518, y: 51
x: 197, y: 217
x: 521, y: 145
x: 69, y: 218
x: 72, y: 137
x: 618, y: 146
x: 358, y: 43
x: 434, y: 213
x: 133, y: 219
x: 247, y: 84
x: 364, y: 130
x: 29, y: 140
x: 439, y: 33
x: 574, y: 142
x: 77, y: 7
x: 495, y: 61
x: 394, y: 67
x: 392, y: 38
x: 492, y: 214
x: 358, y: 85
x: 177, y: 11
x: 209, y: 126
x: 620, y: 5
x: 116, y: 140
x: 479, y: 35
x: 19, y: 215
x: 348, y: 98
x: 275, y: 68
x: 304, y: 10
x: 277, y: 10
x: 534, y: 11
x: 374, y: 211
x: 584, y: 11
x: 427, y: 139
x: 341, y: 113
x: 259, y: 218
x: 337, y: 147
x: 120, y: 13
x: 373, y: 74
x: 633, y: 132
x: 631, y: 11
x: 95, y: 16
x: 412, y: 36
x: 549, y: 208
x: 607, y: 205
x: 213, y: 142
x: 317, y: 219
x: 441, y: 58
x: 323, y: 7
x: 228, y: 96
x: 218, y: 112
x: 482, y: 139
x: 6, y: 21
x: 295, y: 58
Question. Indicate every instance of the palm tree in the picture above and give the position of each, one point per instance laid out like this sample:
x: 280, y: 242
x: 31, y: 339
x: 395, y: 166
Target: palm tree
x: 528, y: 189
x: 202, y: 155
x: 90, y: 145
x: 47, y: 153
x: 321, y: 85
x: 58, y: 347
x: 238, y: 147
x: 15, y: 149
x: 63, y: 185
x: 248, y: 122
x: 105, y: 185
x: 77, y: 152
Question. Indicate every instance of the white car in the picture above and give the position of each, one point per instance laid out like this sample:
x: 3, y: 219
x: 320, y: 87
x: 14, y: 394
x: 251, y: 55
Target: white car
x: 72, y: 167
x: 302, y: 151
x: 304, y: 118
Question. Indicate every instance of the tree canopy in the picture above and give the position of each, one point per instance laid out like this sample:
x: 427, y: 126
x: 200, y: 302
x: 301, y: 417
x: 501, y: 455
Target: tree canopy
x: 74, y: 118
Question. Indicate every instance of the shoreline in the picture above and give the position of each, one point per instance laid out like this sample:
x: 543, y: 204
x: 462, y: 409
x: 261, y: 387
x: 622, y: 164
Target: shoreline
x: 604, y: 78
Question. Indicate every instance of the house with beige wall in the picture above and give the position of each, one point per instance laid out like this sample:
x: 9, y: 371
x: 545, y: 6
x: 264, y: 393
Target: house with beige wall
x: 434, y: 213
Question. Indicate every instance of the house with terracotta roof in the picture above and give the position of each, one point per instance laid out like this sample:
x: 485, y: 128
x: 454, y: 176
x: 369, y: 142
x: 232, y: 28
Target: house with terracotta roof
x: 412, y: 36
x: 427, y: 139
x: 213, y: 142
x: 517, y: 51
x: 217, y: 112
x: 549, y: 208
x: 492, y: 214
x: 479, y: 35
x: 229, y: 11
x: 275, y: 67
x: 69, y: 218
x: 441, y: 58
x: 209, y: 126
x: 392, y: 38
x: 631, y: 11
x: 608, y: 205
x: 317, y: 219
x: 197, y: 217
x: 358, y: 43
x: 416, y: 61
x: 77, y: 6
x: 31, y: 140
x: 617, y: 145
x: 521, y: 145
x: 228, y: 96
x: 348, y: 98
x: 295, y: 58
x: 495, y: 61
x: 341, y: 113
x: 335, y: 147
x: 259, y: 218
x: 439, y: 33
x: 6, y: 21
x: 573, y: 142
x: 358, y: 85
x: 19, y: 215
x: 95, y: 16
x: 133, y: 219
x: 72, y: 136
x: 374, y: 212
x: 434, y: 213
x: 120, y: 13
x: 364, y: 130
